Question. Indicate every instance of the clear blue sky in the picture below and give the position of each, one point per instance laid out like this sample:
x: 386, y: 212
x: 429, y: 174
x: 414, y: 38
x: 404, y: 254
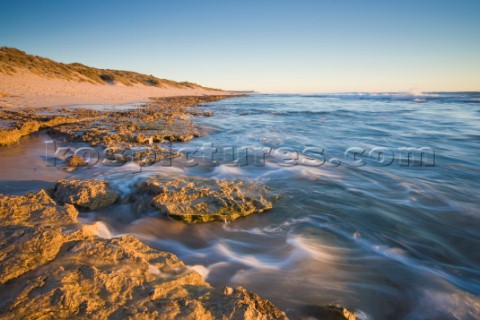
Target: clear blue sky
x: 269, y: 46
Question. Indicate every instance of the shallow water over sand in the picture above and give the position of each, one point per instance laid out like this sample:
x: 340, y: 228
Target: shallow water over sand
x: 391, y: 238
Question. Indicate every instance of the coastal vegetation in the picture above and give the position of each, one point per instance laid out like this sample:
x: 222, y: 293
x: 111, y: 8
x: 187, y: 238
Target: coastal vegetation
x: 12, y: 60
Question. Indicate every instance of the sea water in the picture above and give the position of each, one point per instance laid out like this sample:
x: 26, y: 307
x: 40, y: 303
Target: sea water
x: 378, y: 207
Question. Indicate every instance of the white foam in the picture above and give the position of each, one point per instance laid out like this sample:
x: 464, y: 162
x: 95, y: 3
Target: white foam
x: 274, y: 228
x: 287, y: 224
x: 100, y: 229
x: 202, y: 270
x: 255, y: 231
x: 435, y: 304
x: 300, y: 171
x: 225, y: 171
x: 246, y: 259
x: 312, y: 249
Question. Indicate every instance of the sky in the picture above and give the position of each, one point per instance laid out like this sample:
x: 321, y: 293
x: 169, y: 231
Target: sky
x: 268, y: 46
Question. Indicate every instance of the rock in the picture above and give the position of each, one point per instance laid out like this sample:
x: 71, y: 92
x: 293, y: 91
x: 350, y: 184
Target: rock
x: 197, y: 199
x: 11, y: 136
x: 75, y: 161
x: 330, y: 312
x: 29, y: 233
x: 51, y: 267
x: 123, y: 279
x: 30, y: 123
x: 85, y: 194
x: 35, y: 209
x: 161, y: 120
x: 228, y: 291
x: 24, y: 249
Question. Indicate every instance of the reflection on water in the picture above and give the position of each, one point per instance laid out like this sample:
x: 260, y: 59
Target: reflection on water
x: 394, y: 242
x: 106, y: 107
x: 23, y: 167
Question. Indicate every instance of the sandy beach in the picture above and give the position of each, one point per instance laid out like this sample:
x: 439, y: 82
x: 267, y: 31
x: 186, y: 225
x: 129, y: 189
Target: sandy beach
x: 25, y: 89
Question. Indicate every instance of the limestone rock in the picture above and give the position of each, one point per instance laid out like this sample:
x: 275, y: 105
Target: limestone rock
x: 123, y: 279
x: 53, y: 269
x: 25, y: 242
x: 35, y: 209
x: 161, y: 120
x: 26, y: 249
x: 85, y: 194
x: 197, y: 199
x: 75, y: 161
x: 330, y: 312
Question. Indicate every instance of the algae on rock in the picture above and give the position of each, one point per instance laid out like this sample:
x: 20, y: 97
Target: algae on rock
x: 197, y: 199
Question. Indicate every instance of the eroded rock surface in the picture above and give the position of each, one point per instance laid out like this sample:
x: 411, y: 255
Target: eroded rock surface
x: 164, y: 119
x: 75, y: 161
x: 330, y: 312
x: 51, y: 268
x: 197, y: 199
x: 29, y: 236
x: 161, y: 119
x: 85, y: 194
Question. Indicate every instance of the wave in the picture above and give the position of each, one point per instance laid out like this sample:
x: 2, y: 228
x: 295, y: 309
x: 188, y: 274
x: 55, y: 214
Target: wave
x: 441, y: 97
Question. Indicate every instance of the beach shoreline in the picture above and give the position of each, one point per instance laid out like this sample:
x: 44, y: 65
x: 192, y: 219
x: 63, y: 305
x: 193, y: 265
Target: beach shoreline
x: 44, y: 221
x: 165, y: 287
x: 11, y: 206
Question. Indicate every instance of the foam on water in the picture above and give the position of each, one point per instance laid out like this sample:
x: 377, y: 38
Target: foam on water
x: 280, y: 228
x: 100, y: 229
x: 454, y: 303
x: 311, y: 249
x: 254, y: 261
x: 200, y: 270
x: 227, y: 172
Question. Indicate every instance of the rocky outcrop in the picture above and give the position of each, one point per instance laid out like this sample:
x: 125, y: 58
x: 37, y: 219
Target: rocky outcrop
x: 197, y: 199
x: 27, y: 123
x: 75, y: 161
x: 85, y: 194
x: 51, y: 267
x: 29, y: 236
x: 164, y: 119
x: 35, y: 209
x: 330, y: 312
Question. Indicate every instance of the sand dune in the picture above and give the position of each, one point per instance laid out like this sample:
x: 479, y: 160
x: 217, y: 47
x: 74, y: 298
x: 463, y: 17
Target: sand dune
x: 26, y: 89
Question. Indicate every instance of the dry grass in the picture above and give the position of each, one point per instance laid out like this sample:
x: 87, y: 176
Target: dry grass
x: 12, y: 59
